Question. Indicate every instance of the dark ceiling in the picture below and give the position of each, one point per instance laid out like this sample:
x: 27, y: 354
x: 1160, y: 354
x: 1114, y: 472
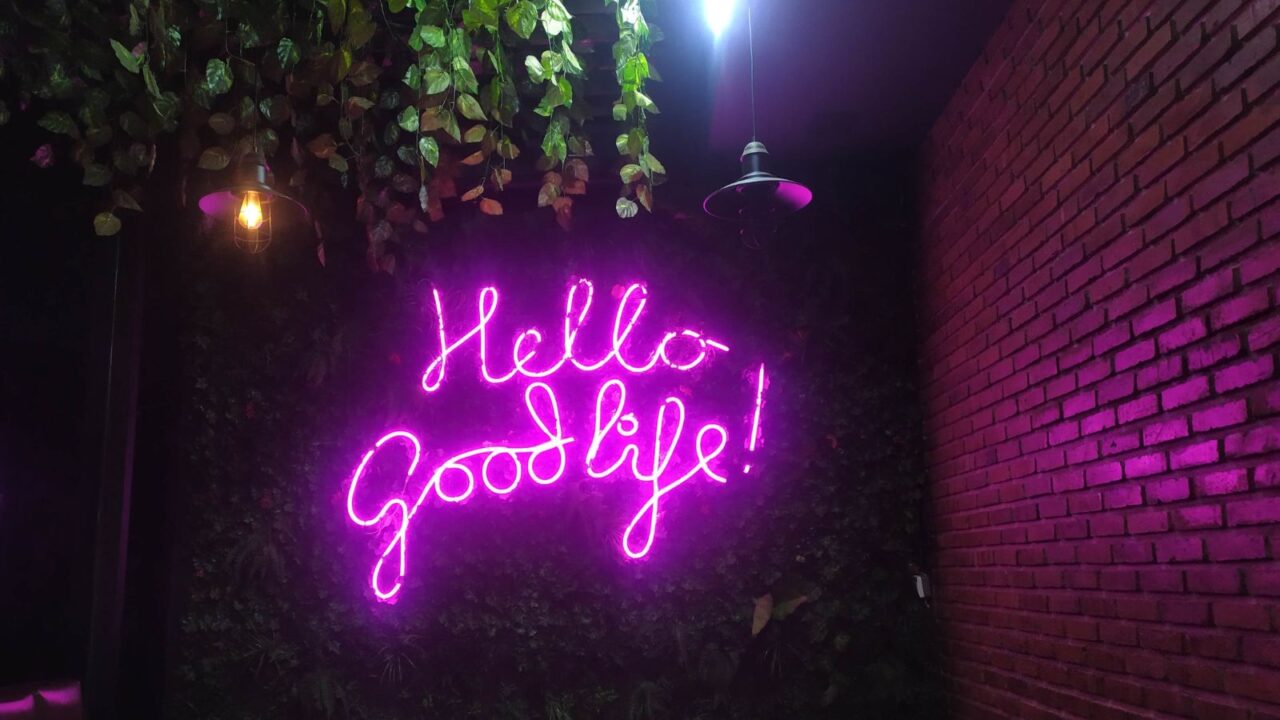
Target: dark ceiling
x: 833, y: 76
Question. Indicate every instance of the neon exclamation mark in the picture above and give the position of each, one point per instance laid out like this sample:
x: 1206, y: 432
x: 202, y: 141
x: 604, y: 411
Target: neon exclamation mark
x: 755, y: 417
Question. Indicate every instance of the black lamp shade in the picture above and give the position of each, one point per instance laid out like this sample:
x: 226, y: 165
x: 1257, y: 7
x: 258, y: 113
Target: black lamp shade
x: 758, y: 194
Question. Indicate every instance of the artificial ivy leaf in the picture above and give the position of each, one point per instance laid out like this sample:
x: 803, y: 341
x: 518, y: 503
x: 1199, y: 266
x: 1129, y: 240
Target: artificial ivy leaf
x: 636, y: 141
x: 99, y: 136
x: 413, y: 76
x: 645, y: 196
x: 217, y: 77
x: 550, y: 24
x: 126, y: 58
x: 383, y: 167
x: 551, y: 100
x: 248, y: 113
x: 450, y: 126
x: 430, y: 150
x: 489, y: 206
x: 474, y: 158
x: 580, y: 146
x: 422, y: 198
x: 408, y: 119
x: 337, y: 14
x: 626, y: 208
x: 552, y: 62
x: 133, y: 124
x: 500, y: 177
x: 149, y: 79
x: 523, y: 18
x: 275, y: 109
x: 644, y: 102
x: 269, y: 141
x: 619, y: 112
x: 360, y: 26
x: 357, y: 105
x: 571, y: 63
x: 106, y: 224
x: 396, y: 6
x: 463, y: 76
x: 473, y: 193
x: 401, y: 182
x: 636, y: 70
x: 651, y: 164
x: 534, y: 66
x: 620, y: 142
x: 60, y: 123
x: 287, y: 53
x: 430, y: 35
x: 437, y: 80
x: 343, y: 62
x: 363, y: 73
x: 564, y: 212
x: 96, y: 174
x: 222, y: 123
x: 577, y: 170
x: 407, y: 155
x: 214, y: 158
x: 475, y: 134
x: 391, y: 133
x: 631, y: 172
x: 470, y: 108
x: 122, y: 199
x: 547, y: 193
x: 508, y: 149
x: 322, y: 146
x: 339, y: 163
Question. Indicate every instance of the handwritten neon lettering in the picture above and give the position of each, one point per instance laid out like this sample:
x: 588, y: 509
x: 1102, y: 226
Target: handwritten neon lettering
x: 754, y: 438
x: 658, y: 445
x: 578, y: 302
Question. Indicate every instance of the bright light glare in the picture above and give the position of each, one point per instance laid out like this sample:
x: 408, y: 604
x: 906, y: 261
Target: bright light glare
x: 250, y: 215
x: 719, y: 14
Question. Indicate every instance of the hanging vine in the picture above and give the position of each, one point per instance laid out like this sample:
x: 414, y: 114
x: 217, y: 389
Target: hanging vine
x: 642, y: 171
x: 405, y: 100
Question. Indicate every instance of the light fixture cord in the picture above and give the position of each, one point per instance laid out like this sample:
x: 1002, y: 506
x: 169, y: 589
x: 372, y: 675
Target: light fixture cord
x: 751, y: 61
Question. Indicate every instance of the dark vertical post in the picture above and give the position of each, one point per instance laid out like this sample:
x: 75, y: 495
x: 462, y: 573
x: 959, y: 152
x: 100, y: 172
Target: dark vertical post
x: 119, y: 411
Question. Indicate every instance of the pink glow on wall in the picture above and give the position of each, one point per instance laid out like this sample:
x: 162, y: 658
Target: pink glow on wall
x: 656, y: 452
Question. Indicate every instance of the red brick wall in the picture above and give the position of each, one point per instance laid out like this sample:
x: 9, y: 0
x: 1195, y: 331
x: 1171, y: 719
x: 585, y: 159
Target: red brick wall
x: 1101, y: 282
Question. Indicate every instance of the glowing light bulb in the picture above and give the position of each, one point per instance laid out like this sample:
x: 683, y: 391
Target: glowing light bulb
x: 719, y: 14
x: 250, y: 215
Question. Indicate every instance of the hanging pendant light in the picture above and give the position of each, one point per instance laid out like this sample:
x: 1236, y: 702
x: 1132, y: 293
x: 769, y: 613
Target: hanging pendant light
x: 758, y: 196
x: 250, y: 203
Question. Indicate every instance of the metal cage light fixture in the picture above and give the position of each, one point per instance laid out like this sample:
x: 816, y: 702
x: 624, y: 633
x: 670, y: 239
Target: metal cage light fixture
x: 249, y: 203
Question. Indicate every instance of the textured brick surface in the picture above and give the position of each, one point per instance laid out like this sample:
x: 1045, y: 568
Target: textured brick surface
x: 1102, y: 283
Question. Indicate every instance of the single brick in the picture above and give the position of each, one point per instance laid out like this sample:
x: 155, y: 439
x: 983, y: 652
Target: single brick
x: 1196, y: 518
x: 1179, y: 549
x: 1225, y: 482
x: 1143, y: 465
x: 1226, y: 414
x: 1242, y: 307
x: 1241, y: 614
x: 1192, y: 455
x: 1254, y: 512
x: 1185, y: 393
x: 1237, y: 545
x: 1243, y: 374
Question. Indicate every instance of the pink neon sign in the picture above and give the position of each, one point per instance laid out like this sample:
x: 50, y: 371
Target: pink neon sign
x: 663, y: 451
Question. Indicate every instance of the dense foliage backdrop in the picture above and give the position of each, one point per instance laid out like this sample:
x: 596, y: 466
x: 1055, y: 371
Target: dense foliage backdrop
x: 786, y: 594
